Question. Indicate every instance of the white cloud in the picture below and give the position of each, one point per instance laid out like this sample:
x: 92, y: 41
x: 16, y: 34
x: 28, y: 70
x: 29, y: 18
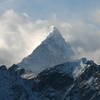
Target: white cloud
x: 83, y: 36
x: 20, y: 34
x: 85, y: 39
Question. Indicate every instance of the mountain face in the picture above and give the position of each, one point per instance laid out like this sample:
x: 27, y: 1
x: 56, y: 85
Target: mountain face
x: 12, y: 86
x: 73, y: 80
x: 57, y: 83
x: 52, y: 51
x: 61, y: 79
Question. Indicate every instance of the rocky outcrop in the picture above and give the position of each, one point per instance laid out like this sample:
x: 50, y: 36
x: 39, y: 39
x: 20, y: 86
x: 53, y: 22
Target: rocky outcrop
x: 74, y: 80
x: 56, y: 84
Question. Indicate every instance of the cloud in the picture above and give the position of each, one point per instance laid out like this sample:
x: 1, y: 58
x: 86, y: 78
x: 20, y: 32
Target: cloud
x: 20, y: 35
x: 85, y: 39
x: 84, y: 36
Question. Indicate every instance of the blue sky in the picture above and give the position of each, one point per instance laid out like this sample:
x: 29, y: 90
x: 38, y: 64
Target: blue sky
x: 45, y: 8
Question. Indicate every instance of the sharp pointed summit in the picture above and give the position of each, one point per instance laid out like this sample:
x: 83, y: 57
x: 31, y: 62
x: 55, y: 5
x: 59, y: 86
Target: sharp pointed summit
x: 54, y: 33
x: 52, y: 51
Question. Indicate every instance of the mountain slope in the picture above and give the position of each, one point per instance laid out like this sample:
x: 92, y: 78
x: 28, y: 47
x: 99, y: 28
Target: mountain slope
x: 52, y: 51
x: 12, y: 86
x: 55, y: 83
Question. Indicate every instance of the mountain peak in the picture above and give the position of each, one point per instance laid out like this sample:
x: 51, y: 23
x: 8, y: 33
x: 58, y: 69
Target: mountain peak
x: 54, y: 32
x: 52, y: 51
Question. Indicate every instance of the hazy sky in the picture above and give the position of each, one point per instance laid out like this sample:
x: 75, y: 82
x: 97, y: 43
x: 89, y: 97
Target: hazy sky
x: 24, y: 24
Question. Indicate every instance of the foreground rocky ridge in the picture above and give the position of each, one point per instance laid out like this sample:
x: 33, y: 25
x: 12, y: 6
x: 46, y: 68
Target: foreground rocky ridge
x: 75, y: 80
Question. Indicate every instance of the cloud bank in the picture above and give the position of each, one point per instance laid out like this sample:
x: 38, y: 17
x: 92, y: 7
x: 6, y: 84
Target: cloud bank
x: 20, y: 34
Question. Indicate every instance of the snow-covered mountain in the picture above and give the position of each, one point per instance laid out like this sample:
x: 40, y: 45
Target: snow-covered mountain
x: 72, y: 68
x: 12, y: 86
x: 55, y: 83
x: 52, y: 51
x: 61, y: 78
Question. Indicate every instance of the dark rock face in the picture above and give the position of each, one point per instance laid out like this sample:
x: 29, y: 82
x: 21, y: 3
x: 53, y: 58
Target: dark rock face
x: 63, y: 87
x: 16, y: 69
x: 12, y: 86
x: 89, y: 83
x: 3, y: 67
x: 54, y: 79
x: 51, y: 84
